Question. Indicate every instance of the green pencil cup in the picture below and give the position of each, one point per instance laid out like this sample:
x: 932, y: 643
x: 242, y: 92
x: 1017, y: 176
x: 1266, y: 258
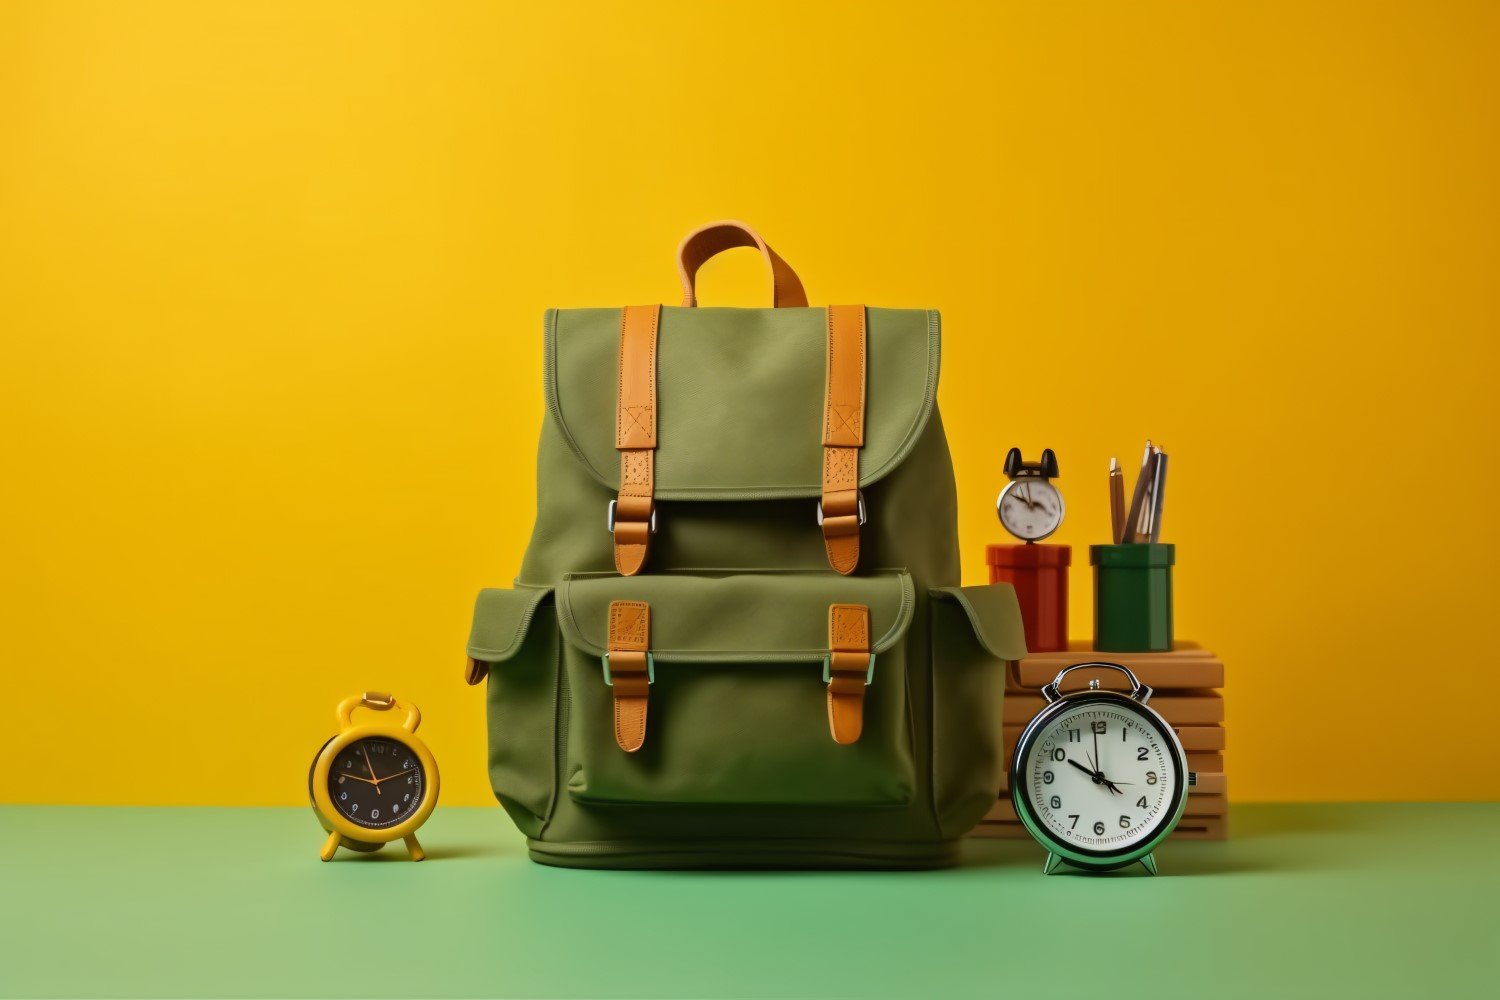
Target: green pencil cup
x: 1133, y: 597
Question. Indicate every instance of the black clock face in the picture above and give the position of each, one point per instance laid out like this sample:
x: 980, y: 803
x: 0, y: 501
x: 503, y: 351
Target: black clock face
x: 376, y: 783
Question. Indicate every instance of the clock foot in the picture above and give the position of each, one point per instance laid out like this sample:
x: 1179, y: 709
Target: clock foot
x: 1149, y: 863
x: 413, y: 848
x: 330, y: 846
x: 1052, y: 864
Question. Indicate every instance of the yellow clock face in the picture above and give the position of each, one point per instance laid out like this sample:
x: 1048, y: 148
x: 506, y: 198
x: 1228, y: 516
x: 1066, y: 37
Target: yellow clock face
x: 376, y: 782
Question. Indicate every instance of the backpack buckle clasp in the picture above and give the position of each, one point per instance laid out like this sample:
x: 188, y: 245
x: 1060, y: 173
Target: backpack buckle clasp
x: 609, y: 680
x: 862, y: 516
x: 609, y: 519
x: 828, y: 670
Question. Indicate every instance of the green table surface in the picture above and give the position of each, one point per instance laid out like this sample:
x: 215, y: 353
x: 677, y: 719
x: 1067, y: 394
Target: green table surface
x: 1327, y: 900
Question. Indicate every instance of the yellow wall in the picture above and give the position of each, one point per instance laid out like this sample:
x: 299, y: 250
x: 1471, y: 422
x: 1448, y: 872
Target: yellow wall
x: 271, y: 279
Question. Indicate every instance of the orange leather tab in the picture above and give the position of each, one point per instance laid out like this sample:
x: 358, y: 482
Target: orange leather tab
x: 848, y: 670
x: 635, y: 437
x: 705, y: 242
x: 476, y: 671
x: 630, y: 670
x: 843, y: 435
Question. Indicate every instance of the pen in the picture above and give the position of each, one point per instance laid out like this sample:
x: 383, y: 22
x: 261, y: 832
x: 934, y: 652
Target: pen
x: 1116, y: 501
x: 1132, y: 532
x: 1158, y: 488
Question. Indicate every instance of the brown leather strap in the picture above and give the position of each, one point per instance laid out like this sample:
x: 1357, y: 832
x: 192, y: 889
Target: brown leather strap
x: 843, y: 436
x: 629, y: 670
x: 702, y: 243
x: 635, y: 437
x: 848, y: 670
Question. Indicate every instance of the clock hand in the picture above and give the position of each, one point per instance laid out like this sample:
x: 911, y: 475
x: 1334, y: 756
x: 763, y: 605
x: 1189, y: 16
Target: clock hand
x: 358, y: 778
x: 396, y: 775
x: 376, y: 781
x: 1091, y: 773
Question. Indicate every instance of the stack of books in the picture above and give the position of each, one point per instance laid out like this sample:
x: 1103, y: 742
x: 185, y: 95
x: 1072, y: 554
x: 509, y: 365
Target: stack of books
x: 1187, y: 691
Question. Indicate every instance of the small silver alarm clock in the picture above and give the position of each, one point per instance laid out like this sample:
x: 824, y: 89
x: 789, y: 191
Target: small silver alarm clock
x: 1030, y: 507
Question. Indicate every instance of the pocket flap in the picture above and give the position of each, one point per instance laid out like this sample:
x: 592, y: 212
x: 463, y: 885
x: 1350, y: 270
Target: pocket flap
x: 716, y: 369
x: 993, y: 614
x: 501, y: 618
x: 735, y: 616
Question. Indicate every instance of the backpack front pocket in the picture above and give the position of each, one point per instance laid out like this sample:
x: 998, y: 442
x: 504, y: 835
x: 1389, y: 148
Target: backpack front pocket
x: 736, y: 703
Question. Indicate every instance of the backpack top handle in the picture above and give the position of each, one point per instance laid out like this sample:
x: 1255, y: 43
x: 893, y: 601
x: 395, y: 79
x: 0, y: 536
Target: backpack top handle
x: 708, y: 241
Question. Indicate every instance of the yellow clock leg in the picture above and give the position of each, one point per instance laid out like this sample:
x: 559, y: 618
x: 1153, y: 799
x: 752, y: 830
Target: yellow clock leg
x: 413, y: 848
x: 330, y: 846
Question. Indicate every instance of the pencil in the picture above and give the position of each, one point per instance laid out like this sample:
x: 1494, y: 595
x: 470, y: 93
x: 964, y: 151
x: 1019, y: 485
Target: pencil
x: 1116, y: 501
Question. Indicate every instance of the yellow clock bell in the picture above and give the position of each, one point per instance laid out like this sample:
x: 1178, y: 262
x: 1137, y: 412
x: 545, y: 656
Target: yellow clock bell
x: 372, y: 784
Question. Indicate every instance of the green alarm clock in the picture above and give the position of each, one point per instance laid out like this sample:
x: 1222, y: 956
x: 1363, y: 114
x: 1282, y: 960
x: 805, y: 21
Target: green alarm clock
x: 1098, y: 778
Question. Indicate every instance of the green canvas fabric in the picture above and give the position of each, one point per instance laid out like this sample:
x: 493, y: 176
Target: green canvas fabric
x: 739, y: 767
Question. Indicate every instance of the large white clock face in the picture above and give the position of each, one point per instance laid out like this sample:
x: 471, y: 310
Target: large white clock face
x: 1030, y: 508
x: 1101, y: 777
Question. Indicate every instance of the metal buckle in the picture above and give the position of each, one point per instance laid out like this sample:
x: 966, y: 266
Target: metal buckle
x: 828, y: 670
x: 609, y: 681
x: 609, y: 519
x: 862, y: 517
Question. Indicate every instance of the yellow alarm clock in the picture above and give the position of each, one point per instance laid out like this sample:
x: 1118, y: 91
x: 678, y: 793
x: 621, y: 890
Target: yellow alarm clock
x: 372, y: 784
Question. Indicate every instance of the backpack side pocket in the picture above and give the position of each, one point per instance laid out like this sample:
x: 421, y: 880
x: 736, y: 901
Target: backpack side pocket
x: 514, y: 640
x: 975, y: 631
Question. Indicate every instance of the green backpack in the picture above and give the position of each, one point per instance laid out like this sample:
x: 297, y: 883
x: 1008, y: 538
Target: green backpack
x: 737, y: 638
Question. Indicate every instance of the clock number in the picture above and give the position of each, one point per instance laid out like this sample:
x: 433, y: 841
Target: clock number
x: 1048, y: 777
x: 1150, y: 777
x: 374, y: 813
x: 354, y: 807
x: 1124, y: 733
x: 1059, y: 754
x: 1140, y: 753
x: 1074, y: 818
x: 1075, y: 735
x: 1125, y: 822
x: 343, y: 796
x: 1099, y: 829
x: 1140, y: 803
x: 1099, y: 726
x: 1056, y: 802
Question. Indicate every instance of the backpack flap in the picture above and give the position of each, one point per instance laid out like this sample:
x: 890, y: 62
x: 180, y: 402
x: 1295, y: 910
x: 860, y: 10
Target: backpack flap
x: 735, y: 616
x: 994, y: 616
x: 740, y: 397
x: 501, y: 619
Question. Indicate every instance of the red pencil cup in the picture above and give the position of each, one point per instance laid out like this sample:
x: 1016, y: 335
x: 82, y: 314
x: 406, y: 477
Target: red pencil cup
x: 1040, y: 575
